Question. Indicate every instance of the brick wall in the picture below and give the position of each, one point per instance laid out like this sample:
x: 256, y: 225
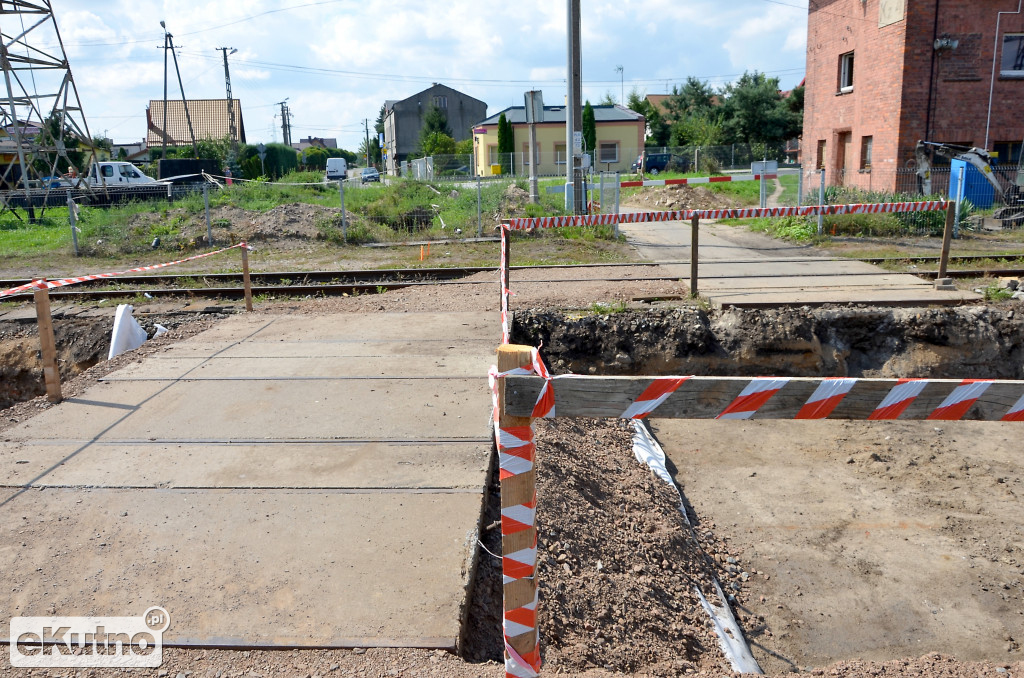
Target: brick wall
x: 903, y: 89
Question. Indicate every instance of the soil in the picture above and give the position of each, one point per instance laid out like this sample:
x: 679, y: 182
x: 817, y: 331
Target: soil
x: 636, y: 614
x: 679, y: 197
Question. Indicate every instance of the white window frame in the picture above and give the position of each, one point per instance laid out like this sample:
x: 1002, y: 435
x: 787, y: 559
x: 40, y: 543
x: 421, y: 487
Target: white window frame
x: 601, y: 146
x: 1013, y: 41
x: 846, y: 63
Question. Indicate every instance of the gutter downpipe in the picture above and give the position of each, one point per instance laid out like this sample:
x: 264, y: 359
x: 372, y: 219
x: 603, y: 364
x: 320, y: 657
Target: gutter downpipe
x: 995, y: 55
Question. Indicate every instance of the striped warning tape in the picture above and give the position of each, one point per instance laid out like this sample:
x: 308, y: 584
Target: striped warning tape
x: 697, y: 180
x: 526, y: 223
x: 805, y: 399
x: 63, y: 282
x: 516, y: 457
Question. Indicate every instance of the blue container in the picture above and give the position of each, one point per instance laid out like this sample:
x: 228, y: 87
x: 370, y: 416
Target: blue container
x: 976, y: 186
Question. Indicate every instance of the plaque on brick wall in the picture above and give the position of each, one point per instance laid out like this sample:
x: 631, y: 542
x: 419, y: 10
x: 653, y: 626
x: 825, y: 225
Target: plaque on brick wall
x: 891, y: 11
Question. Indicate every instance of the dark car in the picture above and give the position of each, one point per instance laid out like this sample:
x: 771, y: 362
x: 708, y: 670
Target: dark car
x: 370, y: 174
x: 655, y: 163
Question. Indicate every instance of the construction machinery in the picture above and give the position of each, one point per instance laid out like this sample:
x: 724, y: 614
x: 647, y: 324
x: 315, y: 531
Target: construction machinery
x: 1009, y: 192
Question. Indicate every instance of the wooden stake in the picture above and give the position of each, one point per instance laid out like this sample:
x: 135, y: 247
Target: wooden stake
x: 947, y: 236
x: 518, y: 490
x: 245, y: 278
x: 47, y: 345
x: 694, y: 238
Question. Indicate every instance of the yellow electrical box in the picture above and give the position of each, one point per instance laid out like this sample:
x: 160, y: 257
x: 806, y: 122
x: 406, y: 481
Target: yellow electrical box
x: 495, y: 169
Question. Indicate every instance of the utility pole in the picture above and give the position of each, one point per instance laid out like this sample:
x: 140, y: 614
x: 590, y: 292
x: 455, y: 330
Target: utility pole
x: 286, y: 126
x: 574, y: 113
x: 366, y: 125
x: 163, y: 129
x: 622, y: 86
x: 169, y: 46
x: 232, y: 129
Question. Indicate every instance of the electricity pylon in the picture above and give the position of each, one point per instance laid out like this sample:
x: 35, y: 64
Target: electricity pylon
x: 40, y: 110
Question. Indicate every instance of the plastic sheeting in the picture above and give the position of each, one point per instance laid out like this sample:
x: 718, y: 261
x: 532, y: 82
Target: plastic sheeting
x: 128, y: 335
x: 730, y: 638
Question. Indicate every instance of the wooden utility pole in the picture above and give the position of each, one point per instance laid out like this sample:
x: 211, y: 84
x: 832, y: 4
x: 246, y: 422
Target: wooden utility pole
x: 574, y: 111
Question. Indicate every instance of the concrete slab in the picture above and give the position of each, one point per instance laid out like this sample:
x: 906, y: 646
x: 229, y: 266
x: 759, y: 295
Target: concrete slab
x: 363, y: 409
x: 740, y: 268
x: 287, y: 497
x: 333, y: 464
x: 349, y: 367
x: 281, y: 568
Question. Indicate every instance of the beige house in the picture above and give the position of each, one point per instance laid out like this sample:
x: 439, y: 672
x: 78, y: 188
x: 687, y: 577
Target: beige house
x: 620, y: 139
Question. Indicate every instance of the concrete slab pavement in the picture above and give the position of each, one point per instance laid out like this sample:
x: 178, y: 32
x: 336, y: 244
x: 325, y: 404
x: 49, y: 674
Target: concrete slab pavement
x: 743, y: 269
x: 265, y: 483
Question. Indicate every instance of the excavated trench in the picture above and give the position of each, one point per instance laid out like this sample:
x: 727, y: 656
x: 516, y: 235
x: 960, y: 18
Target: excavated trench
x: 970, y: 342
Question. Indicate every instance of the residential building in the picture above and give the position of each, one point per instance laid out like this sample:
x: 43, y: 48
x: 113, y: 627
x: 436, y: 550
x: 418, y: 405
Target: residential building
x: 209, y: 117
x: 884, y: 74
x: 403, y: 120
x: 620, y: 139
x: 318, y: 142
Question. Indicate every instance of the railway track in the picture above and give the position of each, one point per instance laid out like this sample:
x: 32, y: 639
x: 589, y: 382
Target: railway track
x: 328, y: 283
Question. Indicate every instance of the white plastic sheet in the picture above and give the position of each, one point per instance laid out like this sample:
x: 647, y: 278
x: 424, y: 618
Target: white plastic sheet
x: 128, y: 335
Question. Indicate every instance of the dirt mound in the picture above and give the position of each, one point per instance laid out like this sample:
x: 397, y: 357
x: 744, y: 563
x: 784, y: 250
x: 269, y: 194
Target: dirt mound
x: 975, y: 342
x: 681, y: 197
x: 513, y: 203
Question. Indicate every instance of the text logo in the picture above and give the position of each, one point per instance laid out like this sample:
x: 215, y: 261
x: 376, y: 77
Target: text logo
x: 93, y: 642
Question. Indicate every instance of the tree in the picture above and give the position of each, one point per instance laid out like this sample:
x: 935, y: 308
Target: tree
x: 437, y: 143
x: 506, y: 143
x: 702, y: 129
x: 279, y: 160
x: 376, y: 152
x: 608, y: 99
x: 754, y: 111
x: 435, y: 120
x: 695, y: 97
x: 589, y: 130
x: 314, y: 158
x: 464, y: 147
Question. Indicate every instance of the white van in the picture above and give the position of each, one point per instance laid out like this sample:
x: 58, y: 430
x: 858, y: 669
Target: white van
x: 337, y: 169
x: 116, y: 174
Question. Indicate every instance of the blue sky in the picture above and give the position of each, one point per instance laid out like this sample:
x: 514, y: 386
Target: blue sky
x: 337, y: 61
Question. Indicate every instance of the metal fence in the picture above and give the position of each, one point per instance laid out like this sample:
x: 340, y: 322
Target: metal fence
x: 981, y: 207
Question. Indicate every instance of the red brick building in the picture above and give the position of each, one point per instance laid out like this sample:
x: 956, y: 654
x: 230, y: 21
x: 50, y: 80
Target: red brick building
x: 883, y: 74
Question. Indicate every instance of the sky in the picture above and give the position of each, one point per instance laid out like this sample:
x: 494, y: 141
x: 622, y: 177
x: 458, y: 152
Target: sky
x: 337, y: 61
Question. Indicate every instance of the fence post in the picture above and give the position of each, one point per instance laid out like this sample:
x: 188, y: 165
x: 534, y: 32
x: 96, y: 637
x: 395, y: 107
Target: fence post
x: 694, y: 239
x: 71, y: 220
x: 959, y: 199
x: 479, y: 211
x: 206, y: 202
x: 947, y: 234
x: 600, y: 200
x: 517, y: 457
x: 344, y: 219
x: 800, y: 187
x: 617, y: 189
x: 762, y: 194
x: 821, y: 201
x: 47, y: 344
x: 246, y: 282
x: 170, y: 192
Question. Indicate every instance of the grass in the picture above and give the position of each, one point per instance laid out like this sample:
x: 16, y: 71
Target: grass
x: 617, y: 306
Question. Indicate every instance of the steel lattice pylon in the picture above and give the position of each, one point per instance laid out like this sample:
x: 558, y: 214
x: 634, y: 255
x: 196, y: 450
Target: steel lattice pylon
x: 40, y: 111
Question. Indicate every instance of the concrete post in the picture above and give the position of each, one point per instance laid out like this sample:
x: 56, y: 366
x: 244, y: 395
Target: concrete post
x: 71, y: 220
x: 47, y: 344
x: 821, y: 201
x: 479, y: 211
x: 206, y: 202
x: 344, y: 219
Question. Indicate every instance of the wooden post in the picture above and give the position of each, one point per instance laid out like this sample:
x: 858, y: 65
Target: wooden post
x: 947, y: 235
x: 694, y: 239
x: 245, y: 277
x: 206, y: 202
x: 47, y: 344
x: 517, y: 456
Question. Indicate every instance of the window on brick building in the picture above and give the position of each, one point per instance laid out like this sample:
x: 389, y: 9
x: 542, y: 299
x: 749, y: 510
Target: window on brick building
x: 865, y: 152
x: 846, y: 72
x: 819, y: 162
x: 1009, y: 152
x: 1012, y: 65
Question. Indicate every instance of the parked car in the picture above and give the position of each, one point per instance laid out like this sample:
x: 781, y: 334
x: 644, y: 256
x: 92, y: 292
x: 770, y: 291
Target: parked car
x: 370, y: 174
x: 336, y: 169
x: 55, y: 182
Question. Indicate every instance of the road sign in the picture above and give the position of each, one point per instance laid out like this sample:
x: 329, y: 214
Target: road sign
x: 262, y: 149
x: 577, y: 142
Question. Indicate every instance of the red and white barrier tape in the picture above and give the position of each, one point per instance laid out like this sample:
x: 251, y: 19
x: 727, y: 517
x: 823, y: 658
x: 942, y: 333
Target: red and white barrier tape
x: 503, y: 281
x: 63, y: 282
x: 697, y: 180
x: 516, y: 456
x: 526, y: 223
